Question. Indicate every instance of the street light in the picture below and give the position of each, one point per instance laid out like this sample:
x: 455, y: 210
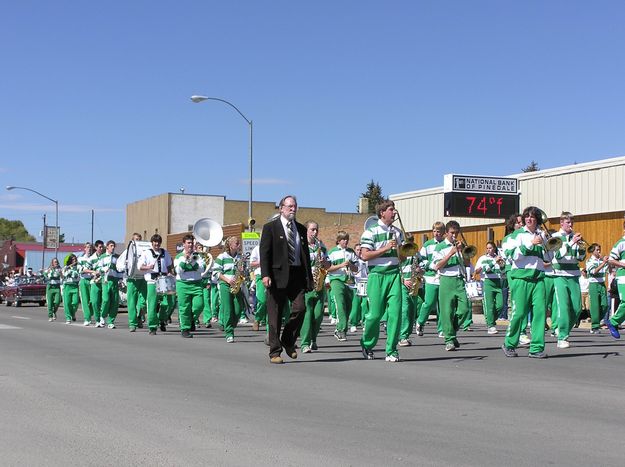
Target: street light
x: 56, y: 203
x: 198, y: 99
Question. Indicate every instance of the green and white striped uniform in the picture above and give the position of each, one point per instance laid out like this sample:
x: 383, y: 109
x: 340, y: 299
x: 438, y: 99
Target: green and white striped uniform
x: 618, y: 253
x: 338, y: 255
x: 314, y: 300
x: 189, y: 288
x: 566, y: 283
x: 527, y: 288
x: 342, y: 289
x: 71, y: 279
x: 452, y: 296
x: 383, y: 288
x: 491, y: 277
x: 53, y: 290
x: 232, y: 306
x: 110, y: 286
x: 409, y: 304
x: 432, y: 283
x: 84, y: 286
x: 597, y: 293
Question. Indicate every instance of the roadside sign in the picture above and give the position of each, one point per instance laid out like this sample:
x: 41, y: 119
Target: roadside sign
x: 250, y: 241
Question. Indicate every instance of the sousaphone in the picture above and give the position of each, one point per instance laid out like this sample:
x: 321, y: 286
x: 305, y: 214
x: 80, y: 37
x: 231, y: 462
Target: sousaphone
x: 208, y: 233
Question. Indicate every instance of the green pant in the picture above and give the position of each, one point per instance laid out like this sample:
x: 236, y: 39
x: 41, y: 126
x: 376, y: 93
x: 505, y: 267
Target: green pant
x: 136, y: 294
x: 598, y: 298
x: 159, y: 307
x: 343, y: 298
x: 619, y: 315
x: 84, y: 287
x: 430, y: 302
x: 70, y: 301
x: 453, y: 305
x: 569, y: 302
x: 190, y: 302
x: 206, y: 294
x: 384, y: 292
x: 527, y: 294
x: 95, y: 297
x: 260, y: 316
x: 53, y: 299
x: 231, y: 307
x: 110, y: 300
x: 215, y: 301
x: 550, y: 300
x: 331, y: 306
x: 493, y: 301
x: 358, y: 312
x: 312, y: 318
x: 409, y: 306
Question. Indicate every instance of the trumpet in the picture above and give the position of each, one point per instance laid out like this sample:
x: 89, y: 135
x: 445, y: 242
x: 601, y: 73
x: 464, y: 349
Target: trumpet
x: 408, y: 247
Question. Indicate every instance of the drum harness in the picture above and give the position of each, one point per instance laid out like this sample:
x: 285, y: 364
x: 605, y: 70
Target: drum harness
x: 159, y: 261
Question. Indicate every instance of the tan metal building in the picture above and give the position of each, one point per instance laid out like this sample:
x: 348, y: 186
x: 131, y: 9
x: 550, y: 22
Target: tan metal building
x: 174, y: 213
x: 594, y: 192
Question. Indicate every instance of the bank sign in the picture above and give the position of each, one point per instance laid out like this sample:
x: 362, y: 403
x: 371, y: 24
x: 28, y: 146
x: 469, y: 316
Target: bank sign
x: 481, y: 184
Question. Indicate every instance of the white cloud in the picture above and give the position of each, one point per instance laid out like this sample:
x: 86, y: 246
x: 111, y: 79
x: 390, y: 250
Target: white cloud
x: 62, y: 208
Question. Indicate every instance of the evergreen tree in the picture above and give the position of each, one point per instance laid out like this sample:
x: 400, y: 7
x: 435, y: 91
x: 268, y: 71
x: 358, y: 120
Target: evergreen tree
x: 533, y: 167
x: 373, y: 194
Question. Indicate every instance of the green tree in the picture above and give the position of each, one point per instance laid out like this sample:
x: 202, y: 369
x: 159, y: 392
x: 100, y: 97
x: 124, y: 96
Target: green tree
x: 14, y: 230
x: 373, y: 194
x: 533, y: 167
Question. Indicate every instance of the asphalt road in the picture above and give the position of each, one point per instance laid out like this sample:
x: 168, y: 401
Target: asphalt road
x: 74, y: 395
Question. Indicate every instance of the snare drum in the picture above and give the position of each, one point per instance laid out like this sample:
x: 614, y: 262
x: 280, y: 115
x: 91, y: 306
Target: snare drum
x: 474, y: 291
x: 166, y: 285
x: 361, y: 288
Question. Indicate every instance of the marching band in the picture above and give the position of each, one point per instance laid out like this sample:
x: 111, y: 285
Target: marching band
x: 387, y: 278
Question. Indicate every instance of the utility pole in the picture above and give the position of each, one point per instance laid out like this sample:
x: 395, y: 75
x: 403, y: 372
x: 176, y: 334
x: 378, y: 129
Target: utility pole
x: 43, y: 244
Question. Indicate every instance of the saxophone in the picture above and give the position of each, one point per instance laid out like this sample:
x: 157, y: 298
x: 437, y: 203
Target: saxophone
x: 416, y: 277
x: 239, y: 277
x: 319, y: 272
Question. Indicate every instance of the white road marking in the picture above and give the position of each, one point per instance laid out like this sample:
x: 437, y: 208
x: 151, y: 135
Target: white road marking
x: 20, y: 317
x: 6, y: 326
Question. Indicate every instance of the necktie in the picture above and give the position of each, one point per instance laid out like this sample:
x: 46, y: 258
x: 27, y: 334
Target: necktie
x: 291, y: 242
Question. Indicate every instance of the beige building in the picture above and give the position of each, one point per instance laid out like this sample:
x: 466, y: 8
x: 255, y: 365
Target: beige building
x: 174, y: 213
x: 594, y: 192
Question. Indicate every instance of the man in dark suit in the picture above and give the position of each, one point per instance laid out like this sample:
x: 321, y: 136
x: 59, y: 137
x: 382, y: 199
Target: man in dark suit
x: 286, y: 274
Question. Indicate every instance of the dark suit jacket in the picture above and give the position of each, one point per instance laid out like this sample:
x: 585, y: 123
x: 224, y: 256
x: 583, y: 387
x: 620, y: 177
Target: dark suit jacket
x: 274, y: 254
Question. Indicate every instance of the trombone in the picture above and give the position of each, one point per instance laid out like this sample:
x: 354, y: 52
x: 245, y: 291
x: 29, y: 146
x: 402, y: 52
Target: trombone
x: 408, y: 248
x: 468, y: 251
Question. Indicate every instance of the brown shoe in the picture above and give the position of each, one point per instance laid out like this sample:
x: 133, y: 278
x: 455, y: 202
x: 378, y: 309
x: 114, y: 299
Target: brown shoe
x: 291, y: 352
x: 255, y: 326
x: 277, y: 359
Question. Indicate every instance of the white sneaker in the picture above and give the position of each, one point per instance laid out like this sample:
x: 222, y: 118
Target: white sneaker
x: 102, y: 322
x: 492, y: 330
x: 333, y: 321
x: 68, y: 322
x: 111, y: 326
x: 524, y: 340
x: 595, y: 331
x: 392, y: 358
x: 419, y: 330
x: 50, y: 319
x: 563, y: 344
x: 243, y: 321
x: 229, y: 339
x: 352, y: 329
x: 441, y: 334
x: 404, y: 343
x: 99, y: 325
x: 86, y: 323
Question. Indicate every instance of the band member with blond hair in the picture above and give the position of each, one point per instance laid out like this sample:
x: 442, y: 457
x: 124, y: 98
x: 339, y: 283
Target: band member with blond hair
x: 343, y: 262
x: 229, y: 267
x: 379, y: 248
x: 314, y: 299
x: 432, y: 279
x: 566, y: 278
x: 412, y: 297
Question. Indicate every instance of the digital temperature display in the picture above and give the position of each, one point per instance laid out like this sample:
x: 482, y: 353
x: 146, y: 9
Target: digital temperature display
x: 485, y: 205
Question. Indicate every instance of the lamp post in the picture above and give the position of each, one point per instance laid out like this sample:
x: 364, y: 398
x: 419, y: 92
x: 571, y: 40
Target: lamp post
x: 198, y: 99
x: 56, y: 203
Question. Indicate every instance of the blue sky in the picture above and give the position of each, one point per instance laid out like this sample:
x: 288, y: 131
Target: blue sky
x: 95, y: 109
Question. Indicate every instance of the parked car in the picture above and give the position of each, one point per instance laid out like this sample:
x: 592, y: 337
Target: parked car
x: 25, y: 290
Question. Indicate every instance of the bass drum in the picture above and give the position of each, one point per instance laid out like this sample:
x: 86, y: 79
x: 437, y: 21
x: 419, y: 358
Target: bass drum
x: 361, y: 288
x: 129, y: 259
